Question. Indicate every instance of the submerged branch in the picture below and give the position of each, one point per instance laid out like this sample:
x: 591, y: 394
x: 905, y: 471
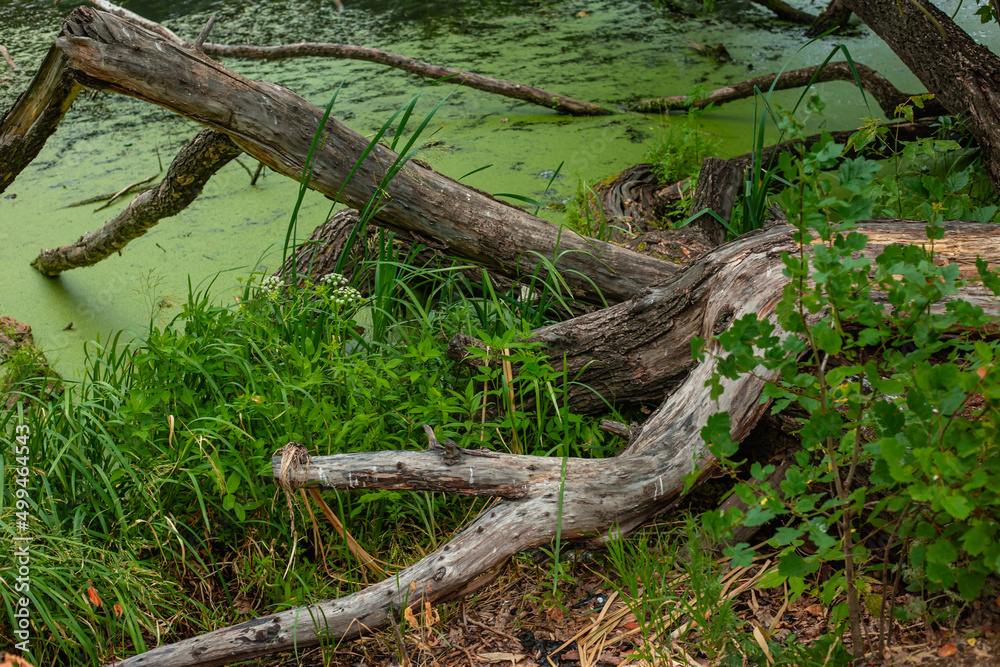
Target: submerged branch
x: 561, y: 103
x: 886, y: 94
x: 194, y: 165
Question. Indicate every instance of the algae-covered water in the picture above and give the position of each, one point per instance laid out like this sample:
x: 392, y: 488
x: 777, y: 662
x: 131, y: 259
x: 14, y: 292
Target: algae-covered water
x: 603, y: 51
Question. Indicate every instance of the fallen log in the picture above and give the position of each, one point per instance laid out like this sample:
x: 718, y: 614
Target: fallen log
x: 886, y: 95
x: 633, y: 352
x: 598, y: 497
x: 194, y: 165
x: 277, y: 127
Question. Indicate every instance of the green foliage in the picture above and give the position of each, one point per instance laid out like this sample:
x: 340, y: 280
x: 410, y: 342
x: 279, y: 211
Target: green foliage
x: 892, y: 437
x: 678, y: 155
x: 676, y: 596
x: 158, y: 461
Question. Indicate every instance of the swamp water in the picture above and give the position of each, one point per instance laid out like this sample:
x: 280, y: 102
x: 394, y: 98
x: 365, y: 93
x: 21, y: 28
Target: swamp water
x: 599, y: 51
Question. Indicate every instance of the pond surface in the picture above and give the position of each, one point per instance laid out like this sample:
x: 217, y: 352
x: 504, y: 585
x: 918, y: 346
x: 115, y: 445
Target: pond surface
x: 607, y: 52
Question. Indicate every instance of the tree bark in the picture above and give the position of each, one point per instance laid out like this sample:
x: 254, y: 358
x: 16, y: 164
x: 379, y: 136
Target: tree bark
x: 963, y: 75
x: 718, y: 184
x: 194, y: 165
x: 597, y: 496
x: 28, y: 124
x: 276, y: 127
x: 886, y: 95
x: 836, y: 15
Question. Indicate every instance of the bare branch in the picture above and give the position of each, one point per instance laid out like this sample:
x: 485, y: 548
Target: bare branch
x: 194, y: 165
x: 886, y: 94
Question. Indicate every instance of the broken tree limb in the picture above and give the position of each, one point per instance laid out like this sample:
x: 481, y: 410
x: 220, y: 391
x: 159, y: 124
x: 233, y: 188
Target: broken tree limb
x: 517, y: 91
x: 27, y: 125
x: 599, y: 497
x: 194, y: 165
x: 275, y: 126
x: 117, y: 10
x: 886, y: 95
x: 6, y: 56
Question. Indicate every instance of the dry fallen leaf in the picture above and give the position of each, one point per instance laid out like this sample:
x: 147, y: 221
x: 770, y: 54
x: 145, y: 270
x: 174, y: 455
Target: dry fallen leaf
x: 95, y: 599
x: 815, y: 610
x: 10, y: 660
x: 410, y: 618
x: 947, y: 650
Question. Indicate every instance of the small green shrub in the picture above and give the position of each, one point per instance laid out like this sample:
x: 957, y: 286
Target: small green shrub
x: 890, y: 440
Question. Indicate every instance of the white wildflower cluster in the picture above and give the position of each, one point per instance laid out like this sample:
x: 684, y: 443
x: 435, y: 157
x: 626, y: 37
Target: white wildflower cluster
x: 345, y: 296
x: 270, y: 287
x: 334, y: 280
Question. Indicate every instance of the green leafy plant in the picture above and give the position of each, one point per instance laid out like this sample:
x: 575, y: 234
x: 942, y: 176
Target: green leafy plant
x: 896, y: 405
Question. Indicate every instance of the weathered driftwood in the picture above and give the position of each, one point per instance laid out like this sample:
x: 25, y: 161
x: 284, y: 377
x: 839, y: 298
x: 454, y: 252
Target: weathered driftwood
x: 599, y: 497
x: 629, y: 353
x: 275, y: 126
x: 886, y: 94
x: 194, y: 165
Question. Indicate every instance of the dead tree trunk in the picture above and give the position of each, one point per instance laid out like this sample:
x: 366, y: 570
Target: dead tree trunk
x: 275, y: 126
x: 963, y: 75
x: 27, y: 125
x: 598, y: 496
